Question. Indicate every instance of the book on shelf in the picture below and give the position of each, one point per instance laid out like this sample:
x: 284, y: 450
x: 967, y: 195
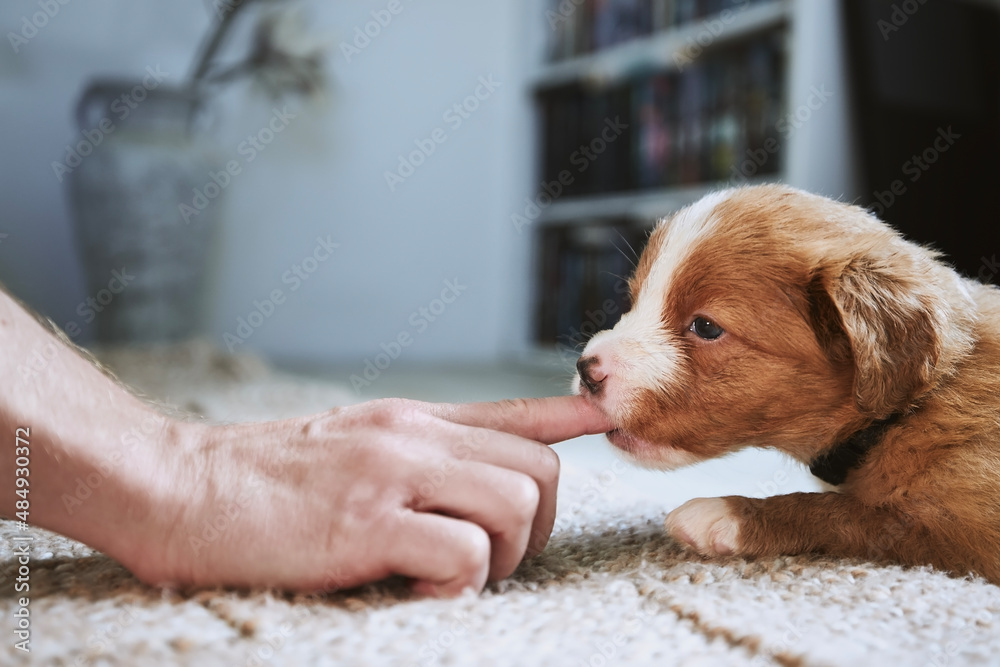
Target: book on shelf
x: 579, y: 27
x: 681, y: 127
x: 618, y: 21
x: 588, y: 135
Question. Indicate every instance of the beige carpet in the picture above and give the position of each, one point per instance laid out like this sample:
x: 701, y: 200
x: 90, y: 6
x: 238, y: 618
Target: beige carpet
x: 609, y: 590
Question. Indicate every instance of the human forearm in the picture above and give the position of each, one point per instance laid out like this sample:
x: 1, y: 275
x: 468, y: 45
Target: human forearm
x: 95, y: 471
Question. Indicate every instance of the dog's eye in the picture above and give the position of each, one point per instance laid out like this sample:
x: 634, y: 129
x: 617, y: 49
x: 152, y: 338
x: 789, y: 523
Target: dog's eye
x: 705, y: 328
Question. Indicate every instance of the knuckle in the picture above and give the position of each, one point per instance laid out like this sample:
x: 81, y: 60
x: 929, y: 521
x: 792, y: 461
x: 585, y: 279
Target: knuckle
x: 547, y: 466
x: 473, y: 553
x: 392, y: 413
x: 524, y: 497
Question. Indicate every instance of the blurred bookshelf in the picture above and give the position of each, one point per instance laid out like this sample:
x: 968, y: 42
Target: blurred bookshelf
x: 643, y: 106
x: 659, y: 36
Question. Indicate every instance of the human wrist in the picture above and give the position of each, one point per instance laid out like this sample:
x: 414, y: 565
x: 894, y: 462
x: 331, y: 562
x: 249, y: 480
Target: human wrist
x: 122, y: 493
x: 157, y: 493
x: 209, y: 481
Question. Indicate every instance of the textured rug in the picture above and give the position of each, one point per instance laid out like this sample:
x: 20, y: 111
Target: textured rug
x: 610, y: 589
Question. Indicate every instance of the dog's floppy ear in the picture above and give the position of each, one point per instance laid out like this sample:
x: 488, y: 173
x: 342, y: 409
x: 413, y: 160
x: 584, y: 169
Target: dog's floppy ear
x: 886, y: 321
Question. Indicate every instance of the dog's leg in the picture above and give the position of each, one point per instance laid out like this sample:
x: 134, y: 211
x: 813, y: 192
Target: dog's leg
x: 830, y: 523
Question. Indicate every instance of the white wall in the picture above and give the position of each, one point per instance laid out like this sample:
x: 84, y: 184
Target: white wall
x: 323, y: 176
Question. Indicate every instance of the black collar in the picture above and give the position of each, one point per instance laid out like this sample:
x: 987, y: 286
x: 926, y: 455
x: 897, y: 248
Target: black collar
x: 833, y: 466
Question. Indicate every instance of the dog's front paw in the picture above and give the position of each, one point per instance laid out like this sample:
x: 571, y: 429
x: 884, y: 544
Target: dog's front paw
x: 706, y: 525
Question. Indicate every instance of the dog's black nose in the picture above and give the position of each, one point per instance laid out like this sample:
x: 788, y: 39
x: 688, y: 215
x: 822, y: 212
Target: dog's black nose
x: 591, y: 374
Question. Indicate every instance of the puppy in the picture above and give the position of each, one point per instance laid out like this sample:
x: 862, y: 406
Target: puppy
x: 770, y: 317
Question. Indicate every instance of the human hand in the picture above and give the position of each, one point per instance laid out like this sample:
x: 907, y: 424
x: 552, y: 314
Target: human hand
x: 448, y: 495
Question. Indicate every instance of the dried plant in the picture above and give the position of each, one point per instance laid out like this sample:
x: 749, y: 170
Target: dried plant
x: 282, y: 58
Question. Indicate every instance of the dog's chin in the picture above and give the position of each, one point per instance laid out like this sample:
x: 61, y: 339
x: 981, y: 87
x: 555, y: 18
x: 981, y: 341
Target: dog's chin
x: 642, y: 452
x: 627, y: 443
x: 648, y: 454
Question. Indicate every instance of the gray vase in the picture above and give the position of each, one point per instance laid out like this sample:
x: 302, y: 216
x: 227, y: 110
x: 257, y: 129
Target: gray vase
x: 144, y: 257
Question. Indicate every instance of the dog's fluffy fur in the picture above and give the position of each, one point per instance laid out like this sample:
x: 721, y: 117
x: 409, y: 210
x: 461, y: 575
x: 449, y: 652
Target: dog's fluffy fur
x: 832, y: 321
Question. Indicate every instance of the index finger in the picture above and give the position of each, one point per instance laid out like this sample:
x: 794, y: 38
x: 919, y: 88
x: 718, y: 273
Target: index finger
x: 547, y: 420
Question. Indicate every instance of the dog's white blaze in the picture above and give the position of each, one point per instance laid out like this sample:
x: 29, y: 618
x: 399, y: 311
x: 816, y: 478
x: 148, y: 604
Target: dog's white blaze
x: 639, y: 352
x: 683, y: 234
x: 633, y: 360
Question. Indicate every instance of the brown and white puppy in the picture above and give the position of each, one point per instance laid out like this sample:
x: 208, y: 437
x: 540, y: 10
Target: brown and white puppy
x: 770, y: 317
